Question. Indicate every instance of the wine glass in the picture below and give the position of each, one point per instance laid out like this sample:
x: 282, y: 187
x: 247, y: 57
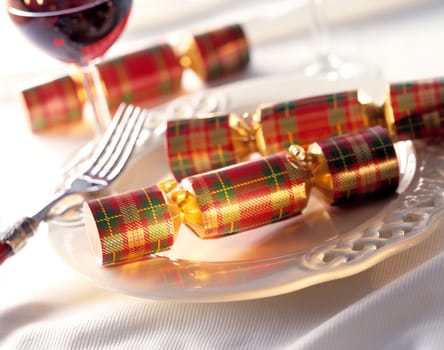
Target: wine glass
x: 328, y: 64
x: 78, y: 32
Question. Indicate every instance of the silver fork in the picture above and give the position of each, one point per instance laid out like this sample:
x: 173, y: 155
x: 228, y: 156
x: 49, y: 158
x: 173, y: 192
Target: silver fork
x: 103, y: 166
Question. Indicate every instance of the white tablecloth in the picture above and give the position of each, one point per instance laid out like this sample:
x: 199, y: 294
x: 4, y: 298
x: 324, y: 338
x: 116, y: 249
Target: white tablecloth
x: 397, y: 304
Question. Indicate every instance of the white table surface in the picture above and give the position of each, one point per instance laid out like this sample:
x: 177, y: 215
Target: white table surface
x: 398, y: 304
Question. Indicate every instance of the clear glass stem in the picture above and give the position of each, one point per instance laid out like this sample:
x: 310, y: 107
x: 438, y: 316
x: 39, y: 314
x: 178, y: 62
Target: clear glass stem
x: 328, y: 64
x: 95, y: 96
x: 320, y: 29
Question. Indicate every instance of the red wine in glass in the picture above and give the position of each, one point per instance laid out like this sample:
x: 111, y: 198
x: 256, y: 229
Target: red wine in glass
x: 73, y: 31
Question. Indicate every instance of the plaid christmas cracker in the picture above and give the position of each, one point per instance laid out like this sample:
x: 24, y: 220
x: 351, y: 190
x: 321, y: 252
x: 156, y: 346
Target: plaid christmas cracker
x: 196, y: 145
x: 222, y: 51
x: 132, y: 225
x: 249, y: 194
x: 417, y: 108
x: 53, y: 104
x: 141, y: 75
x: 420, y: 125
x: 415, y: 96
x: 308, y: 120
x: 361, y: 164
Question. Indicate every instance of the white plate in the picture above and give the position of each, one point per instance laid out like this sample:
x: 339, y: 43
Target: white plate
x: 322, y: 244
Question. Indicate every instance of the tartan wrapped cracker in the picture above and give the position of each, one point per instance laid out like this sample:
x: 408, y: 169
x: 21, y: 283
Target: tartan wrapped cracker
x: 415, y: 109
x: 355, y: 165
x: 201, y: 144
x: 136, y: 77
x: 135, y: 224
x: 53, y: 103
x: 271, y: 128
x: 216, y: 53
x: 412, y: 110
x: 238, y: 198
x: 141, y: 76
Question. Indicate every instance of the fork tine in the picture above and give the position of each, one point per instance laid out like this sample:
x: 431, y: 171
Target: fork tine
x: 115, y: 149
x: 119, y: 145
x: 109, y: 136
x: 128, y: 145
x: 108, y: 147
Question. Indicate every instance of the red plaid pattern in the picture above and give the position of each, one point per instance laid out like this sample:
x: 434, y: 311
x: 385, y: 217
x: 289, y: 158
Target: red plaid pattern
x: 198, y: 145
x: 361, y: 164
x: 142, y: 75
x: 132, y: 225
x: 420, y: 125
x: 417, y: 108
x: 52, y: 104
x: 307, y: 120
x: 221, y: 51
x: 249, y: 194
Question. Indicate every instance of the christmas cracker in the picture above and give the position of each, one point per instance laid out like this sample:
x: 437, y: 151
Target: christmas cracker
x: 411, y: 110
x: 140, y: 76
x: 136, y: 224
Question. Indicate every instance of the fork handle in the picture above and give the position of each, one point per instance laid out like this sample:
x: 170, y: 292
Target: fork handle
x: 5, y: 252
x: 16, y: 236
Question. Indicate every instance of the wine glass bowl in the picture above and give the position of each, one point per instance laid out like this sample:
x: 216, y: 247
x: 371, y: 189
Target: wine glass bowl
x: 74, y: 31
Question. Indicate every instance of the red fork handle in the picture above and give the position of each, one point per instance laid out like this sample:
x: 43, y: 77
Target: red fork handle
x: 15, y: 237
x: 5, y: 252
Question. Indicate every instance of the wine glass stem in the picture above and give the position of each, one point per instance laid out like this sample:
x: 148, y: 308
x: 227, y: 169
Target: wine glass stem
x: 95, y: 95
x: 320, y: 30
